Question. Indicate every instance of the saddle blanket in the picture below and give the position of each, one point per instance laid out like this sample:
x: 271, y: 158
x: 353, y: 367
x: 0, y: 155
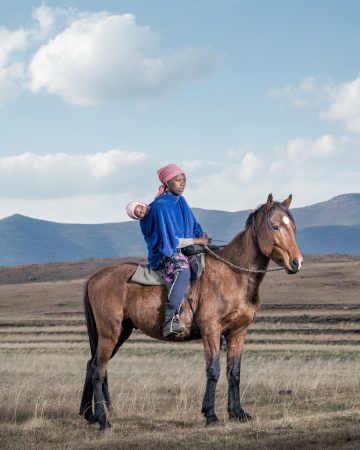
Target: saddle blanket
x: 144, y: 274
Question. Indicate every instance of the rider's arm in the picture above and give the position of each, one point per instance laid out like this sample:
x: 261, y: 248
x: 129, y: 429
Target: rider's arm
x: 184, y: 242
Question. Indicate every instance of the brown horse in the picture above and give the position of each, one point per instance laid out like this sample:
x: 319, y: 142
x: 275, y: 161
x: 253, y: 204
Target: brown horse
x: 225, y: 300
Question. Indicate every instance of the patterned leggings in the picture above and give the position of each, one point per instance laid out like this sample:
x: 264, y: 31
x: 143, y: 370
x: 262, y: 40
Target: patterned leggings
x: 175, y: 271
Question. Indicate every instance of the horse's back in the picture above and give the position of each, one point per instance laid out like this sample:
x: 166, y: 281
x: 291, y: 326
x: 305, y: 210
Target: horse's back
x: 121, y: 271
x: 114, y: 298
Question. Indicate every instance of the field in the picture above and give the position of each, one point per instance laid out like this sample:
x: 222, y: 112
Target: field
x: 300, y: 369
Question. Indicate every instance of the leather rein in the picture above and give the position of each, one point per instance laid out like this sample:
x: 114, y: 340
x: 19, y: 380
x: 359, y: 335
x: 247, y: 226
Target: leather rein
x: 238, y: 268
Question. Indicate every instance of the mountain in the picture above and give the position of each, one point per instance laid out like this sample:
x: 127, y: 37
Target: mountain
x: 332, y: 226
x: 24, y: 240
x: 340, y: 210
x: 330, y: 239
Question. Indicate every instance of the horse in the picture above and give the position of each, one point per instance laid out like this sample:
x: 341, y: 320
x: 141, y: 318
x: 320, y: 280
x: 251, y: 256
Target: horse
x: 225, y: 301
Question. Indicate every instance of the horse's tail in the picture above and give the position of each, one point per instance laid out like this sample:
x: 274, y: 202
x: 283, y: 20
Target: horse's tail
x: 90, y: 322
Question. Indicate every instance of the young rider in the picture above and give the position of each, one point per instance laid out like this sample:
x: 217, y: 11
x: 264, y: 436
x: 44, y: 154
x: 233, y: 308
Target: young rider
x: 168, y: 226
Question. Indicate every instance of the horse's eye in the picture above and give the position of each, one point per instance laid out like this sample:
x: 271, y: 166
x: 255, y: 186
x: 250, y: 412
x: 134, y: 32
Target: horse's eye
x: 275, y: 227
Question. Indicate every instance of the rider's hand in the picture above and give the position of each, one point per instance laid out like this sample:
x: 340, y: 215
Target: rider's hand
x: 202, y: 241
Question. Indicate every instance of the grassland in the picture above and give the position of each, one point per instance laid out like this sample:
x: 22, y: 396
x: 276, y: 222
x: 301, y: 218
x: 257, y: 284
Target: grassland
x: 300, y: 376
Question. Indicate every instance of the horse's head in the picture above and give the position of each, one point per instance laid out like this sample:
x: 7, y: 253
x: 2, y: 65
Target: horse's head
x: 274, y: 227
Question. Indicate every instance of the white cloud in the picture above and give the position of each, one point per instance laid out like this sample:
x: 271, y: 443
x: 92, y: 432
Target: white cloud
x: 62, y: 175
x: 11, y: 42
x: 312, y: 170
x: 47, y: 18
x: 308, y: 148
x: 341, y: 100
x: 197, y: 166
x: 96, y: 188
x: 300, y: 153
x: 101, y: 57
x: 310, y: 91
x: 245, y: 162
x: 250, y: 165
x: 345, y: 104
x: 91, y: 58
x: 8, y: 88
x: 93, y: 208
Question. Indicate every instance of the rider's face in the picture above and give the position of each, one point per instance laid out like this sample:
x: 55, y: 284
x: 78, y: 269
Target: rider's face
x: 177, y: 184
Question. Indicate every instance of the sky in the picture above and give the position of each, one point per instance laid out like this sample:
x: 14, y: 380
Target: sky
x: 249, y: 97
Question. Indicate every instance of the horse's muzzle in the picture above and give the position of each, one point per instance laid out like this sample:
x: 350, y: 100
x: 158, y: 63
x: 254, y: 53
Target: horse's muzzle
x: 295, y: 266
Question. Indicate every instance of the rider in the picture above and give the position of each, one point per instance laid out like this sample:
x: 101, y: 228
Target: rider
x: 169, y: 226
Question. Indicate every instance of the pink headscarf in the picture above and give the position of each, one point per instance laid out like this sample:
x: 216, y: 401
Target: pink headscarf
x: 130, y: 209
x: 166, y: 174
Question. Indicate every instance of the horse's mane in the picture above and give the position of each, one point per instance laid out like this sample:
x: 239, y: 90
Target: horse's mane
x: 276, y: 206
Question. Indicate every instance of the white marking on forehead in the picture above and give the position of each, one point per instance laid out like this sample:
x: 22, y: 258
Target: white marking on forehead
x: 286, y: 220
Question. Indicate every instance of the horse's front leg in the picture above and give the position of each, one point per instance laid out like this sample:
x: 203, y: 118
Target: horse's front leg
x: 235, y: 345
x: 211, y: 342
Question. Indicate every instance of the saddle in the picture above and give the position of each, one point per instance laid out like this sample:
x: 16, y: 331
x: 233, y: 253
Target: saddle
x: 144, y: 274
x: 147, y: 276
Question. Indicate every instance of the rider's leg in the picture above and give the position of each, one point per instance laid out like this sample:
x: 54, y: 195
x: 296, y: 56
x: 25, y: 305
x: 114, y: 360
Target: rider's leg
x: 178, y: 288
x: 176, y: 271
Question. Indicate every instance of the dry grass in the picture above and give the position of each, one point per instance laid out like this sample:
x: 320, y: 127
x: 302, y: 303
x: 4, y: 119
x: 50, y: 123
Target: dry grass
x: 157, y: 401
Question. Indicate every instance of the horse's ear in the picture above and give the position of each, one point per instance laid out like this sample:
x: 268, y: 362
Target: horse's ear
x: 287, y: 201
x: 269, y: 202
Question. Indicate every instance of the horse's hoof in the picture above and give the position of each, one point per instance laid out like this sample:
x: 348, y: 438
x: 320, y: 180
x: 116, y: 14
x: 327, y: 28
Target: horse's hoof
x: 105, y: 426
x: 212, y: 421
x: 86, y: 413
x: 241, y: 416
x: 93, y: 419
x: 87, y: 416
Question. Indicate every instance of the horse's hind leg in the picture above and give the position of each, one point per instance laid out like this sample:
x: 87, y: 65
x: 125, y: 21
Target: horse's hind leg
x: 106, y: 393
x: 127, y: 328
x: 103, y: 355
x: 86, y: 408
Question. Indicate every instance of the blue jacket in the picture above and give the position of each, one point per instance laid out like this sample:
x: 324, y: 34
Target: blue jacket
x: 169, y: 219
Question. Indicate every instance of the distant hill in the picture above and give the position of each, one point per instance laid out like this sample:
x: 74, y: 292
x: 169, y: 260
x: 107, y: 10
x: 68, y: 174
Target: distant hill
x: 24, y: 240
x: 340, y: 210
x: 332, y: 226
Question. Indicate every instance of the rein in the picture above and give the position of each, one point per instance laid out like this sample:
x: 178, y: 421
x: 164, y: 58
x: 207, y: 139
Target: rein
x: 238, y: 268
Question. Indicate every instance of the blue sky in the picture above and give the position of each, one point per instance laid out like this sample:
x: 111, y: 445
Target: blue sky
x: 248, y: 96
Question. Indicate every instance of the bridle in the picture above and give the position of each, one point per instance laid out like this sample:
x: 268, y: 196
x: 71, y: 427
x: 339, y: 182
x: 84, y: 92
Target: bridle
x: 239, y: 268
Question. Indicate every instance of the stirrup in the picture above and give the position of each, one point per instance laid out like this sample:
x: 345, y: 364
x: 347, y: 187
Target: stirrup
x: 176, y: 317
x: 171, y: 330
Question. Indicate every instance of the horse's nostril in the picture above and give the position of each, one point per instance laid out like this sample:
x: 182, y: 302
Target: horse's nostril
x: 296, y: 264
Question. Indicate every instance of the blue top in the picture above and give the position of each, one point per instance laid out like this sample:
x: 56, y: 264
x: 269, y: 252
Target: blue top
x: 169, y: 219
